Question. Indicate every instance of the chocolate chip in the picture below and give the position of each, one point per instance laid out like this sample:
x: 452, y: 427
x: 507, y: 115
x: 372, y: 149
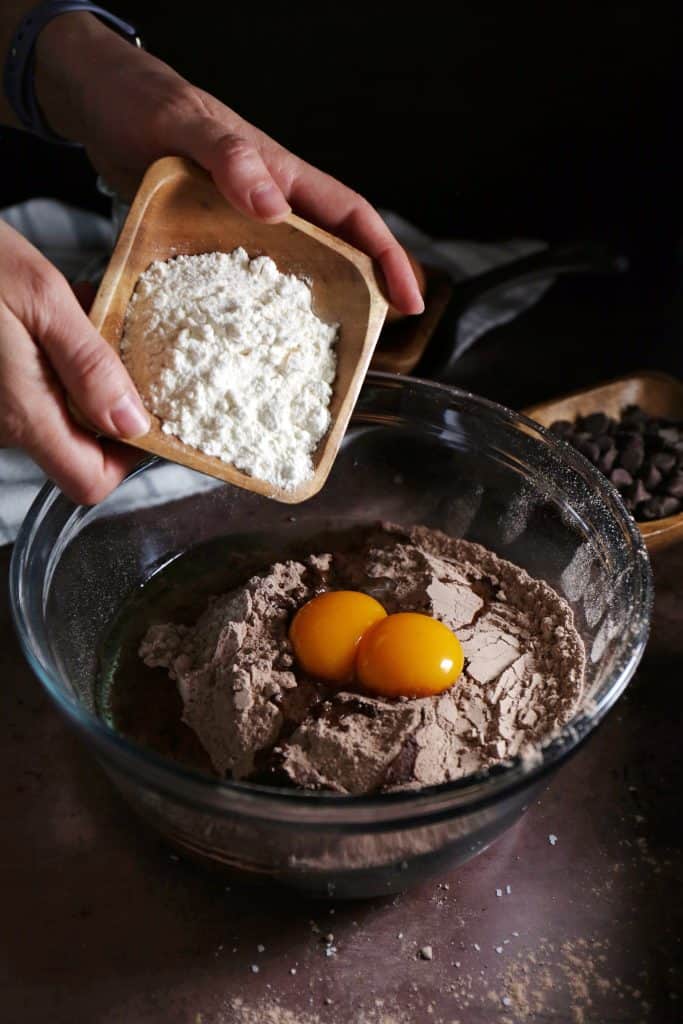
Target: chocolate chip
x: 582, y: 437
x: 674, y: 485
x: 654, y: 443
x: 671, y: 506
x: 645, y: 513
x: 637, y: 493
x: 590, y: 449
x: 631, y: 458
x: 664, y: 461
x: 633, y: 426
x: 596, y: 423
x: 661, y: 506
x: 629, y: 439
x: 651, y: 476
x: 604, y: 442
x: 670, y: 434
x: 607, y: 460
x: 620, y: 478
x: 563, y: 428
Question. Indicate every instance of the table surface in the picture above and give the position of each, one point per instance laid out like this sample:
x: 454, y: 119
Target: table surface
x: 102, y: 924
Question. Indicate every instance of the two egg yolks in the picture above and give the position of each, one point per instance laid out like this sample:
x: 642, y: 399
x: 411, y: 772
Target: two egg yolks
x: 344, y: 635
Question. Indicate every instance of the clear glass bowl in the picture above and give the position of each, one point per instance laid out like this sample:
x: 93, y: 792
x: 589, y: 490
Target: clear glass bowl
x: 415, y: 452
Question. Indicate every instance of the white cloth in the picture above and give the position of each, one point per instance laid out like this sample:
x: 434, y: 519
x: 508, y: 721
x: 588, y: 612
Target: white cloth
x: 79, y: 242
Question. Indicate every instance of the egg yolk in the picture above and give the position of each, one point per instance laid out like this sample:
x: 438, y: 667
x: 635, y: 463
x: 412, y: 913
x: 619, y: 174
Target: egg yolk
x: 325, y: 632
x: 408, y: 655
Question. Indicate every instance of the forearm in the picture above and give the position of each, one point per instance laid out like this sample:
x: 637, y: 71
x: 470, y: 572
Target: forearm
x: 69, y: 51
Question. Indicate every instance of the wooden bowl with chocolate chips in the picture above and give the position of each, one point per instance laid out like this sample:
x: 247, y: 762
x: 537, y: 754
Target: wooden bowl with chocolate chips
x: 631, y: 428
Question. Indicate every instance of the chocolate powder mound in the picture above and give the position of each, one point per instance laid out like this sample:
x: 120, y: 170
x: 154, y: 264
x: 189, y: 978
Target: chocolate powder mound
x: 258, y: 716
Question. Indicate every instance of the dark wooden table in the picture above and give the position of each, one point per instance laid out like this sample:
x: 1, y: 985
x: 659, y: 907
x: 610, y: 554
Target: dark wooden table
x: 102, y: 925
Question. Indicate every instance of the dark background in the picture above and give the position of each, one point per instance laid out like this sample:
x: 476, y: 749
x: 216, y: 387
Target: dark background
x: 541, y: 120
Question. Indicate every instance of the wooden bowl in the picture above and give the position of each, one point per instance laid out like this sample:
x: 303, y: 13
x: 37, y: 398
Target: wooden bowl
x: 404, y: 339
x: 178, y: 210
x: 657, y: 394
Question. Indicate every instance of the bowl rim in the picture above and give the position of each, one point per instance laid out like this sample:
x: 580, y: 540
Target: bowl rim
x: 327, y: 810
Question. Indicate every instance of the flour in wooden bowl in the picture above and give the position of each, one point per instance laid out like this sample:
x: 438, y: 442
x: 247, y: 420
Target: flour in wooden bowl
x: 229, y: 354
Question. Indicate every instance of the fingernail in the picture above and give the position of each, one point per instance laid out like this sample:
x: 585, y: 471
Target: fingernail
x: 416, y: 307
x: 268, y: 201
x: 129, y: 418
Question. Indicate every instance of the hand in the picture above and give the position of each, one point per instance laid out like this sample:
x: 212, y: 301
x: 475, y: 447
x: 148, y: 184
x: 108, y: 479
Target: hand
x: 48, y: 347
x: 128, y: 109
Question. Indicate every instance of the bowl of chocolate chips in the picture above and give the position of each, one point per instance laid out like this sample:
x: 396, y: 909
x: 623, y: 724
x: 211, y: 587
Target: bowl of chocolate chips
x: 631, y: 429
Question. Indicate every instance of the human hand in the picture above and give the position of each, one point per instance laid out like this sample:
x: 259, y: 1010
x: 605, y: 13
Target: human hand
x: 128, y: 109
x: 48, y: 349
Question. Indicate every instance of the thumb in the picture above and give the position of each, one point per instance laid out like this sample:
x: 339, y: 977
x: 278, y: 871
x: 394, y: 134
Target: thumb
x: 90, y: 371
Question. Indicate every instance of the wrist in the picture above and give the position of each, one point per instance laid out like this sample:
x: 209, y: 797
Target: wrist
x: 68, y: 53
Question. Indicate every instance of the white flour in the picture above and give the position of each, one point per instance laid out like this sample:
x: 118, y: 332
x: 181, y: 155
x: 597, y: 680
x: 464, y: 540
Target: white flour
x: 229, y: 354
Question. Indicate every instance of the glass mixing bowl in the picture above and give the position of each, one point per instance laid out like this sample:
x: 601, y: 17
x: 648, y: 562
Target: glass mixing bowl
x: 415, y: 452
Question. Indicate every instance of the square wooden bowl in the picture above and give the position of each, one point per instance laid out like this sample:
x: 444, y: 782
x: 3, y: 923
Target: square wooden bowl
x: 403, y: 342
x: 657, y: 394
x: 178, y: 210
